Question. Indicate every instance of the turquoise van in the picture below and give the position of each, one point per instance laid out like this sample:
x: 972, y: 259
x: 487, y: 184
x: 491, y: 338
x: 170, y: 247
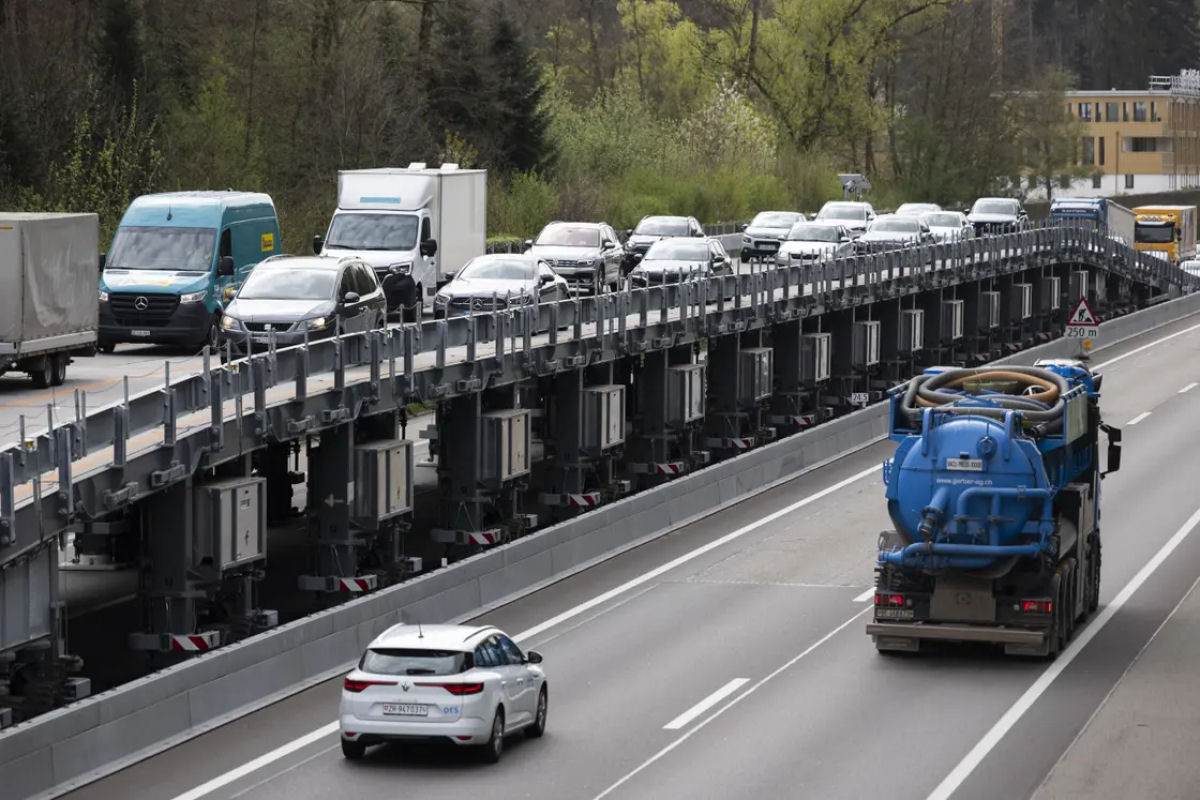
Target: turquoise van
x: 172, y: 258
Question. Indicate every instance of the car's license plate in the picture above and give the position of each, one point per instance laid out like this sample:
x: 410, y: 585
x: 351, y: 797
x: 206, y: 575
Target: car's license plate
x: 405, y: 709
x: 770, y: 245
x: 140, y: 333
x: 893, y: 613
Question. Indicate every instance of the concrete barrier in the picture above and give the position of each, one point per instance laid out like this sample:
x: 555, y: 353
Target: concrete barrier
x: 87, y: 740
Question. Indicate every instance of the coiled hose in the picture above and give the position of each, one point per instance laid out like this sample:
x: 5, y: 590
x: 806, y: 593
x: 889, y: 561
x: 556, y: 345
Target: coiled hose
x: 1036, y: 393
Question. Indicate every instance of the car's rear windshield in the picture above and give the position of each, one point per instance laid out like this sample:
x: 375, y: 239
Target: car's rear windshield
x: 413, y: 661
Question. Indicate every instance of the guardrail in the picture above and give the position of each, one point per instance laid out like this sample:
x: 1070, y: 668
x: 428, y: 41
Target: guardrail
x: 102, y: 460
x: 74, y: 745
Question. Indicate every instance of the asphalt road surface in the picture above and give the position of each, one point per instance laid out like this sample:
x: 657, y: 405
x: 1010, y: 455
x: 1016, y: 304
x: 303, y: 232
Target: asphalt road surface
x: 729, y: 659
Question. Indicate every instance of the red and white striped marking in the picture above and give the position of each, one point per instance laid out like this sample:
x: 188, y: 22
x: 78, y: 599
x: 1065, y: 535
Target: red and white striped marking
x: 364, y: 584
x: 194, y: 642
x: 669, y: 468
x: 585, y: 500
x: 804, y: 420
x: 741, y: 443
x: 484, y: 537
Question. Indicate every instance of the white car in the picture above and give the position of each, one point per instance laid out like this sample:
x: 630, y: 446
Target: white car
x: 948, y: 226
x: 854, y: 215
x: 465, y: 684
x: 808, y: 242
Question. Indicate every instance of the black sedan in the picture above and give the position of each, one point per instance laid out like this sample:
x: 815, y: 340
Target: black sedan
x: 289, y: 299
x: 494, y: 282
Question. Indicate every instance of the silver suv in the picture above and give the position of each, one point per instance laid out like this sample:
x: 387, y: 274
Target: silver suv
x: 586, y: 254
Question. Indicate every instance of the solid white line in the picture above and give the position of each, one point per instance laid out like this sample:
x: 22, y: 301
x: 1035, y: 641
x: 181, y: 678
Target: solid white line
x: 628, y: 776
x: 694, y: 554
x: 250, y: 766
x: 865, y: 596
x: 971, y: 760
x: 704, y: 705
x: 1188, y: 388
x: 1146, y: 346
x: 1138, y: 418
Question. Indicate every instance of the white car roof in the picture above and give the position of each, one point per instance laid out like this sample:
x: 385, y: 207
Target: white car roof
x: 433, y: 637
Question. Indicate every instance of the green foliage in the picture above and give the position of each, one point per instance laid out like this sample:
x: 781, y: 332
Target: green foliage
x: 522, y: 206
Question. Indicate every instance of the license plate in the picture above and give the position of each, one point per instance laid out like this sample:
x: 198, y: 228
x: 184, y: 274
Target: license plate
x: 965, y: 464
x: 893, y: 613
x: 140, y: 333
x: 769, y: 245
x: 405, y: 710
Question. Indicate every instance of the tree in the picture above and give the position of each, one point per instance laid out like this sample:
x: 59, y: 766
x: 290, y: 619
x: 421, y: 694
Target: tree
x: 119, y: 45
x: 520, y: 132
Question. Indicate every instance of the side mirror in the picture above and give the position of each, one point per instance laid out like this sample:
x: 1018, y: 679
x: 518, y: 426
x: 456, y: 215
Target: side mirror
x: 533, y: 657
x: 225, y: 267
x: 544, y: 278
x: 350, y: 298
x: 529, y: 242
x: 103, y: 261
x: 429, y: 248
x: 1114, y: 448
x: 628, y: 232
x: 743, y: 226
x: 608, y: 244
x: 318, y: 243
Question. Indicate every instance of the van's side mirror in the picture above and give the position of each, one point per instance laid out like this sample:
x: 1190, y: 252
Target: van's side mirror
x: 318, y: 243
x: 1114, y: 448
x: 429, y: 248
x: 533, y: 657
x: 103, y: 261
x: 225, y: 267
x: 350, y: 298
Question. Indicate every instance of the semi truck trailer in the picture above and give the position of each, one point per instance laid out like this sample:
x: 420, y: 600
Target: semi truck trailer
x: 994, y: 494
x: 1095, y: 213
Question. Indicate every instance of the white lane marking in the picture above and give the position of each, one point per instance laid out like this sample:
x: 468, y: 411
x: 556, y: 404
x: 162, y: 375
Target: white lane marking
x: 274, y: 775
x: 704, y: 705
x: 865, y: 596
x: 971, y: 760
x: 1188, y: 388
x: 1146, y: 346
x: 1138, y: 418
x: 237, y: 773
x: 693, y: 554
x: 648, y: 762
x: 326, y: 730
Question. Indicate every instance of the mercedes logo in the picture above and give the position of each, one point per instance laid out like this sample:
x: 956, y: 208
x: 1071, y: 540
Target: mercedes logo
x: 478, y: 303
x: 141, y: 303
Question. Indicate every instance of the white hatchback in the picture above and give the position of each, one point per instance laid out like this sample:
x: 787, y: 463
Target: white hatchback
x: 465, y: 684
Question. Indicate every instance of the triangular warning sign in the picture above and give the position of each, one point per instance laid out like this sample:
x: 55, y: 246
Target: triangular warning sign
x: 1082, y: 315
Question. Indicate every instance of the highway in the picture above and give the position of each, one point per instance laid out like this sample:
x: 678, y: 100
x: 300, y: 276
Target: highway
x: 728, y: 659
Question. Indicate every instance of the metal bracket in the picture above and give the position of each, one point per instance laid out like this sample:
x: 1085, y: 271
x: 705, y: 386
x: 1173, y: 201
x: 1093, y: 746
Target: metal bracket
x: 119, y: 497
x: 161, y: 477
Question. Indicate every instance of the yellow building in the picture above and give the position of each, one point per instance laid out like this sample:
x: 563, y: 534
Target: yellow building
x: 1139, y: 142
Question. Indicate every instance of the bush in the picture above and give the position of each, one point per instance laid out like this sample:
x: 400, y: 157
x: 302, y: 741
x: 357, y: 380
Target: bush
x: 521, y: 206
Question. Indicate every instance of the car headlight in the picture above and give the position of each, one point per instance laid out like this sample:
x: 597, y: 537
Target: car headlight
x: 103, y: 296
x: 228, y: 323
x: 193, y: 297
x: 316, y: 324
x: 403, y: 268
x: 440, y: 299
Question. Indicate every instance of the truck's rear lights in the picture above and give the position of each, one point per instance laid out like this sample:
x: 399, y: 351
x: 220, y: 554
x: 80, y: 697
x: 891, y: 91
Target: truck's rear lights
x: 889, y: 600
x: 351, y: 685
x: 1037, y: 606
x: 456, y: 688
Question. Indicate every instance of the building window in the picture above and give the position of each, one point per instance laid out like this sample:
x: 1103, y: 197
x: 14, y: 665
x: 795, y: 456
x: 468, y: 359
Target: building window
x: 1089, y: 150
x: 1085, y: 112
x: 1124, y: 112
x: 1139, y: 111
x: 1154, y: 112
x: 1100, y: 161
x: 1096, y: 180
x: 1128, y: 181
x: 1143, y: 144
x: 1112, y: 112
x: 1098, y: 117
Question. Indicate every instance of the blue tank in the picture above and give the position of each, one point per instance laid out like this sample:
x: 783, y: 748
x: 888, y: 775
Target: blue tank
x: 972, y: 483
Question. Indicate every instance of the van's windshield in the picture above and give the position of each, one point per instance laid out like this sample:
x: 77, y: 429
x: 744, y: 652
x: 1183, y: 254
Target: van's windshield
x: 176, y: 249
x: 365, y: 231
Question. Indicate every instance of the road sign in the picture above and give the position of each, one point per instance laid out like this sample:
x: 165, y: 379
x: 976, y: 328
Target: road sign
x: 860, y: 399
x: 1083, y: 325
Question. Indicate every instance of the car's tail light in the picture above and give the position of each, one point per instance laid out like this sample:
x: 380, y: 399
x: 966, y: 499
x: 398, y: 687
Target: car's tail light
x: 1037, y: 606
x: 889, y: 600
x: 456, y: 688
x: 351, y: 685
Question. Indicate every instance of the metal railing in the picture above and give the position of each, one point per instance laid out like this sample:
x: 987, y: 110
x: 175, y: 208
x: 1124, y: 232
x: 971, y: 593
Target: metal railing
x: 101, y: 460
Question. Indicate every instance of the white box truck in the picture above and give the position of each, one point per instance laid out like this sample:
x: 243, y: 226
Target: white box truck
x: 415, y: 226
x: 49, y: 292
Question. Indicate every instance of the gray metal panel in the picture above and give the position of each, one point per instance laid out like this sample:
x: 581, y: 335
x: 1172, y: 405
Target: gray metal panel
x: 24, y: 595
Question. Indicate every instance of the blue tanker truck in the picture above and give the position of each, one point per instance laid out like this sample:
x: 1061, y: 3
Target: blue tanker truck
x: 994, y: 491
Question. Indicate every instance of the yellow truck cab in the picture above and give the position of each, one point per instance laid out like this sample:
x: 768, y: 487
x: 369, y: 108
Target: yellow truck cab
x: 1170, y: 230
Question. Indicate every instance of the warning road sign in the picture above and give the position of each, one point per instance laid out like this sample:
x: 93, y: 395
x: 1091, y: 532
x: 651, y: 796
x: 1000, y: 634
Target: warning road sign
x: 1082, y: 315
x: 1083, y: 325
